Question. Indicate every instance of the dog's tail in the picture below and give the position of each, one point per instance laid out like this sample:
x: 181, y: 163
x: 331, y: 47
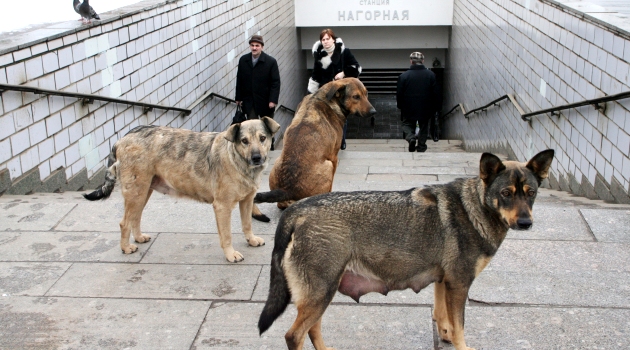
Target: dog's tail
x: 279, y: 293
x: 274, y: 196
x: 103, y: 191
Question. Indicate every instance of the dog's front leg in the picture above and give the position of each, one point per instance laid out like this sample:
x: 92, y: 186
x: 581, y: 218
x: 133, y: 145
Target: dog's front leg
x: 223, y: 215
x: 440, y: 315
x: 246, y: 206
x: 455, y: 299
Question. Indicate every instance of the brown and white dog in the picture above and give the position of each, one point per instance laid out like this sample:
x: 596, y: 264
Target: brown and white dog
x: 220, y: 168
x: 308, y: 161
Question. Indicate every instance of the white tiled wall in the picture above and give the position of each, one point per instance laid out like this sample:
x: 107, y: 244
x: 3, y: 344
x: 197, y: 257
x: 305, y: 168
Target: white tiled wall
x: 546, y: 55
x: 170, y: 54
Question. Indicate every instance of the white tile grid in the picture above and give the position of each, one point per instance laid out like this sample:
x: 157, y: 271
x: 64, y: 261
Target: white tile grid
x: 22, y: 54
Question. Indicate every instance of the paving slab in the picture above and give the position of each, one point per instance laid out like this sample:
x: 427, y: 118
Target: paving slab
x: 454, y: 156
x: 566, y: 256
x: 500, y: 328
x: 65, y: 197
x: 417, y: 170
x: 437, y: 163
x: 608, y: 225
x: 556, y: 223
x: 234, y: 325
x: 203, y: 248
x: 374, y: 155
x: 556, y: 273
x: 157, y: 281
x: 587, y: 289
x: 24, y: 216
x: 370, y: 162
x: 26, y: 278
x: 352, y: 169
x: 162, y: 214
x: 445, y: 178
x: 66, y: 246
x: 374, y: 148
x: 69, y: 323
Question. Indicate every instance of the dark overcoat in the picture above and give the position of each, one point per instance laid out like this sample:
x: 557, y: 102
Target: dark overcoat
x: 417, y: 94
x: 327, y: 66
x: 258, y: 85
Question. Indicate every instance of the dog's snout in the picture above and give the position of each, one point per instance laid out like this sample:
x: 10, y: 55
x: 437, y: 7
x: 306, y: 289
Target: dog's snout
x: 256, y: 158
x: 524, y: 223
x: 372, y: 111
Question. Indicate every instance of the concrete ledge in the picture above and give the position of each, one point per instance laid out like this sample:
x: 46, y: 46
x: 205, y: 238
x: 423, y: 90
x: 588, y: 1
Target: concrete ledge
x: 574, y: 185
x: 5, y: 180
x: 587, y: 190
x: 55, y: 182
x: 78, y: 181
x: 617, y: 190
x: 603, y: 189
x: 553, y: 182
x: 97, y: 179
x: 26, y: 184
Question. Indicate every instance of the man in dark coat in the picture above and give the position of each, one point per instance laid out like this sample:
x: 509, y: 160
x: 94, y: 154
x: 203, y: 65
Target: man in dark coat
x: 257, y: 81
x: 416, y: 97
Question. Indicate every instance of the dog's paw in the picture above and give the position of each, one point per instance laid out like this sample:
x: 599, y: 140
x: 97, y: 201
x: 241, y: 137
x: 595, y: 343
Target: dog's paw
x: 234, y: 256
x: 261, y: 217
x: 142, y: 238
x: 255, y: 241
x: 445, y: 335
x: 131, y: 248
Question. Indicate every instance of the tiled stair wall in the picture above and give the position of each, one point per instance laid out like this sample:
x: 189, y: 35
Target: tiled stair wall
x: 168, y: 53
x: 546, y: 55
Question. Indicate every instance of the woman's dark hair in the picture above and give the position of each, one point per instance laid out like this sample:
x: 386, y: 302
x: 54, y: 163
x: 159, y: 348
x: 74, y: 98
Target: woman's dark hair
x: 329, y: 32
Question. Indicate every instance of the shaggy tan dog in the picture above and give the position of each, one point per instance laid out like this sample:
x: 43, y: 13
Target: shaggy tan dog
x: 220, y: 168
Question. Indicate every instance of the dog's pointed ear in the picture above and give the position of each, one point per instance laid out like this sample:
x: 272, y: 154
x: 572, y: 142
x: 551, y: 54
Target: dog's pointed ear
x: 489, y: 166
x: 271, y: 125
x: 540, y: 164
x: 337, y: 87
x: 232, y: 132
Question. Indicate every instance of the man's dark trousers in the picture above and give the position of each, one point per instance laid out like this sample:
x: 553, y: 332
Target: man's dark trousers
x: 409, y: 129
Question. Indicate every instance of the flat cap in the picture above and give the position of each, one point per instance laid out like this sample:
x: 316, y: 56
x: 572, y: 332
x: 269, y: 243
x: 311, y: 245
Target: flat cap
x: 418, y: 56
x: 257, y: 39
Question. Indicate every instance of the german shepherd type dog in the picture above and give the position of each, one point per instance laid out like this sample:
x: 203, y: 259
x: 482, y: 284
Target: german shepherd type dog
x: 219, y: 168
x: 445, y: 234
x: 308, y: 161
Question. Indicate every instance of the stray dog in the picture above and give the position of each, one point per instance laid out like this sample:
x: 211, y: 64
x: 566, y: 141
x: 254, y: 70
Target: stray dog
x: 308, y: 161
x: 445, y: 234
x: 219, y: 168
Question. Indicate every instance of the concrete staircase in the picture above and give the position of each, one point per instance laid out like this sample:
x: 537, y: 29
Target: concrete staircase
x: 64, y: 282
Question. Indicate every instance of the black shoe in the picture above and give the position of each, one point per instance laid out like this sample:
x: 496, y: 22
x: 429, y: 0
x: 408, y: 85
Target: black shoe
x: 412, y: 144
x: 421, y: 148
x: 273, y: 140
x: 343, y: 144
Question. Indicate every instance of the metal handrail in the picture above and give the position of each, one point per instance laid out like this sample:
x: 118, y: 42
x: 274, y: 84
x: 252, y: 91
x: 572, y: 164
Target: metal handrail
x: 89, y: 98
x: 484, y: 108
x: 228, y: 100
x: 460, y: 106
x: 597, y: 102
